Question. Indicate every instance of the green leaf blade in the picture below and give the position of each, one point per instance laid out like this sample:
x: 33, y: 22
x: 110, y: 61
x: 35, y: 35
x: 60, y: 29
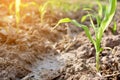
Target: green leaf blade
x: 86, y: 29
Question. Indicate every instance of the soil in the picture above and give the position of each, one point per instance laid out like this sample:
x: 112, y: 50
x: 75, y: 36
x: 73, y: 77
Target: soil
x: 39, y: 52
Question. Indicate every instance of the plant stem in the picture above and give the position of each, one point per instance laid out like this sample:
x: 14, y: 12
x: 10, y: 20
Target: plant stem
x: 98, y: 50
x: 97, y: 60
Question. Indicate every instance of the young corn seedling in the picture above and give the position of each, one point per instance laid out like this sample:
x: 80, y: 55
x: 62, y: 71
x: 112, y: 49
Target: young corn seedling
x: 103, y: 20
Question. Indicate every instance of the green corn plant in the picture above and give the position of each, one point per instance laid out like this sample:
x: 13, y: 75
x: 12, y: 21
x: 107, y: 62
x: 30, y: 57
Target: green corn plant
x: 103, y: 20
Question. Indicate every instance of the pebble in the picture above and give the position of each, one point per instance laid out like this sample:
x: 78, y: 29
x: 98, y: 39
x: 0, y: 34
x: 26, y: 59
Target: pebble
x: 62, y: 69
x: 104, y: 59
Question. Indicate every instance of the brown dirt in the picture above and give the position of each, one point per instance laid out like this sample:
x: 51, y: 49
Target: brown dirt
x: 37, y: 52
x: 82, y: 67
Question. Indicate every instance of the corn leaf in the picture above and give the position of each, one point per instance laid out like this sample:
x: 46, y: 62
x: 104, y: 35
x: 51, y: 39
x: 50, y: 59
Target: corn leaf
x: 100, y: 8
x: 84, y: 17
x: 64, y: 20
x: 108, y: 18
x: 86, y: 29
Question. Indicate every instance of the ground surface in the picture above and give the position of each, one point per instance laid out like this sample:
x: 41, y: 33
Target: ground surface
x: 38, y: 52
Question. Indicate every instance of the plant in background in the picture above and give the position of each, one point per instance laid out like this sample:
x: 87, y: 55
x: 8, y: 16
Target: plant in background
x: 10, y: 8
x: 17, y: 12
x: 53, y: 5
x: 17, y: 4
x: 104, y: 17
x: 43, y: 10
